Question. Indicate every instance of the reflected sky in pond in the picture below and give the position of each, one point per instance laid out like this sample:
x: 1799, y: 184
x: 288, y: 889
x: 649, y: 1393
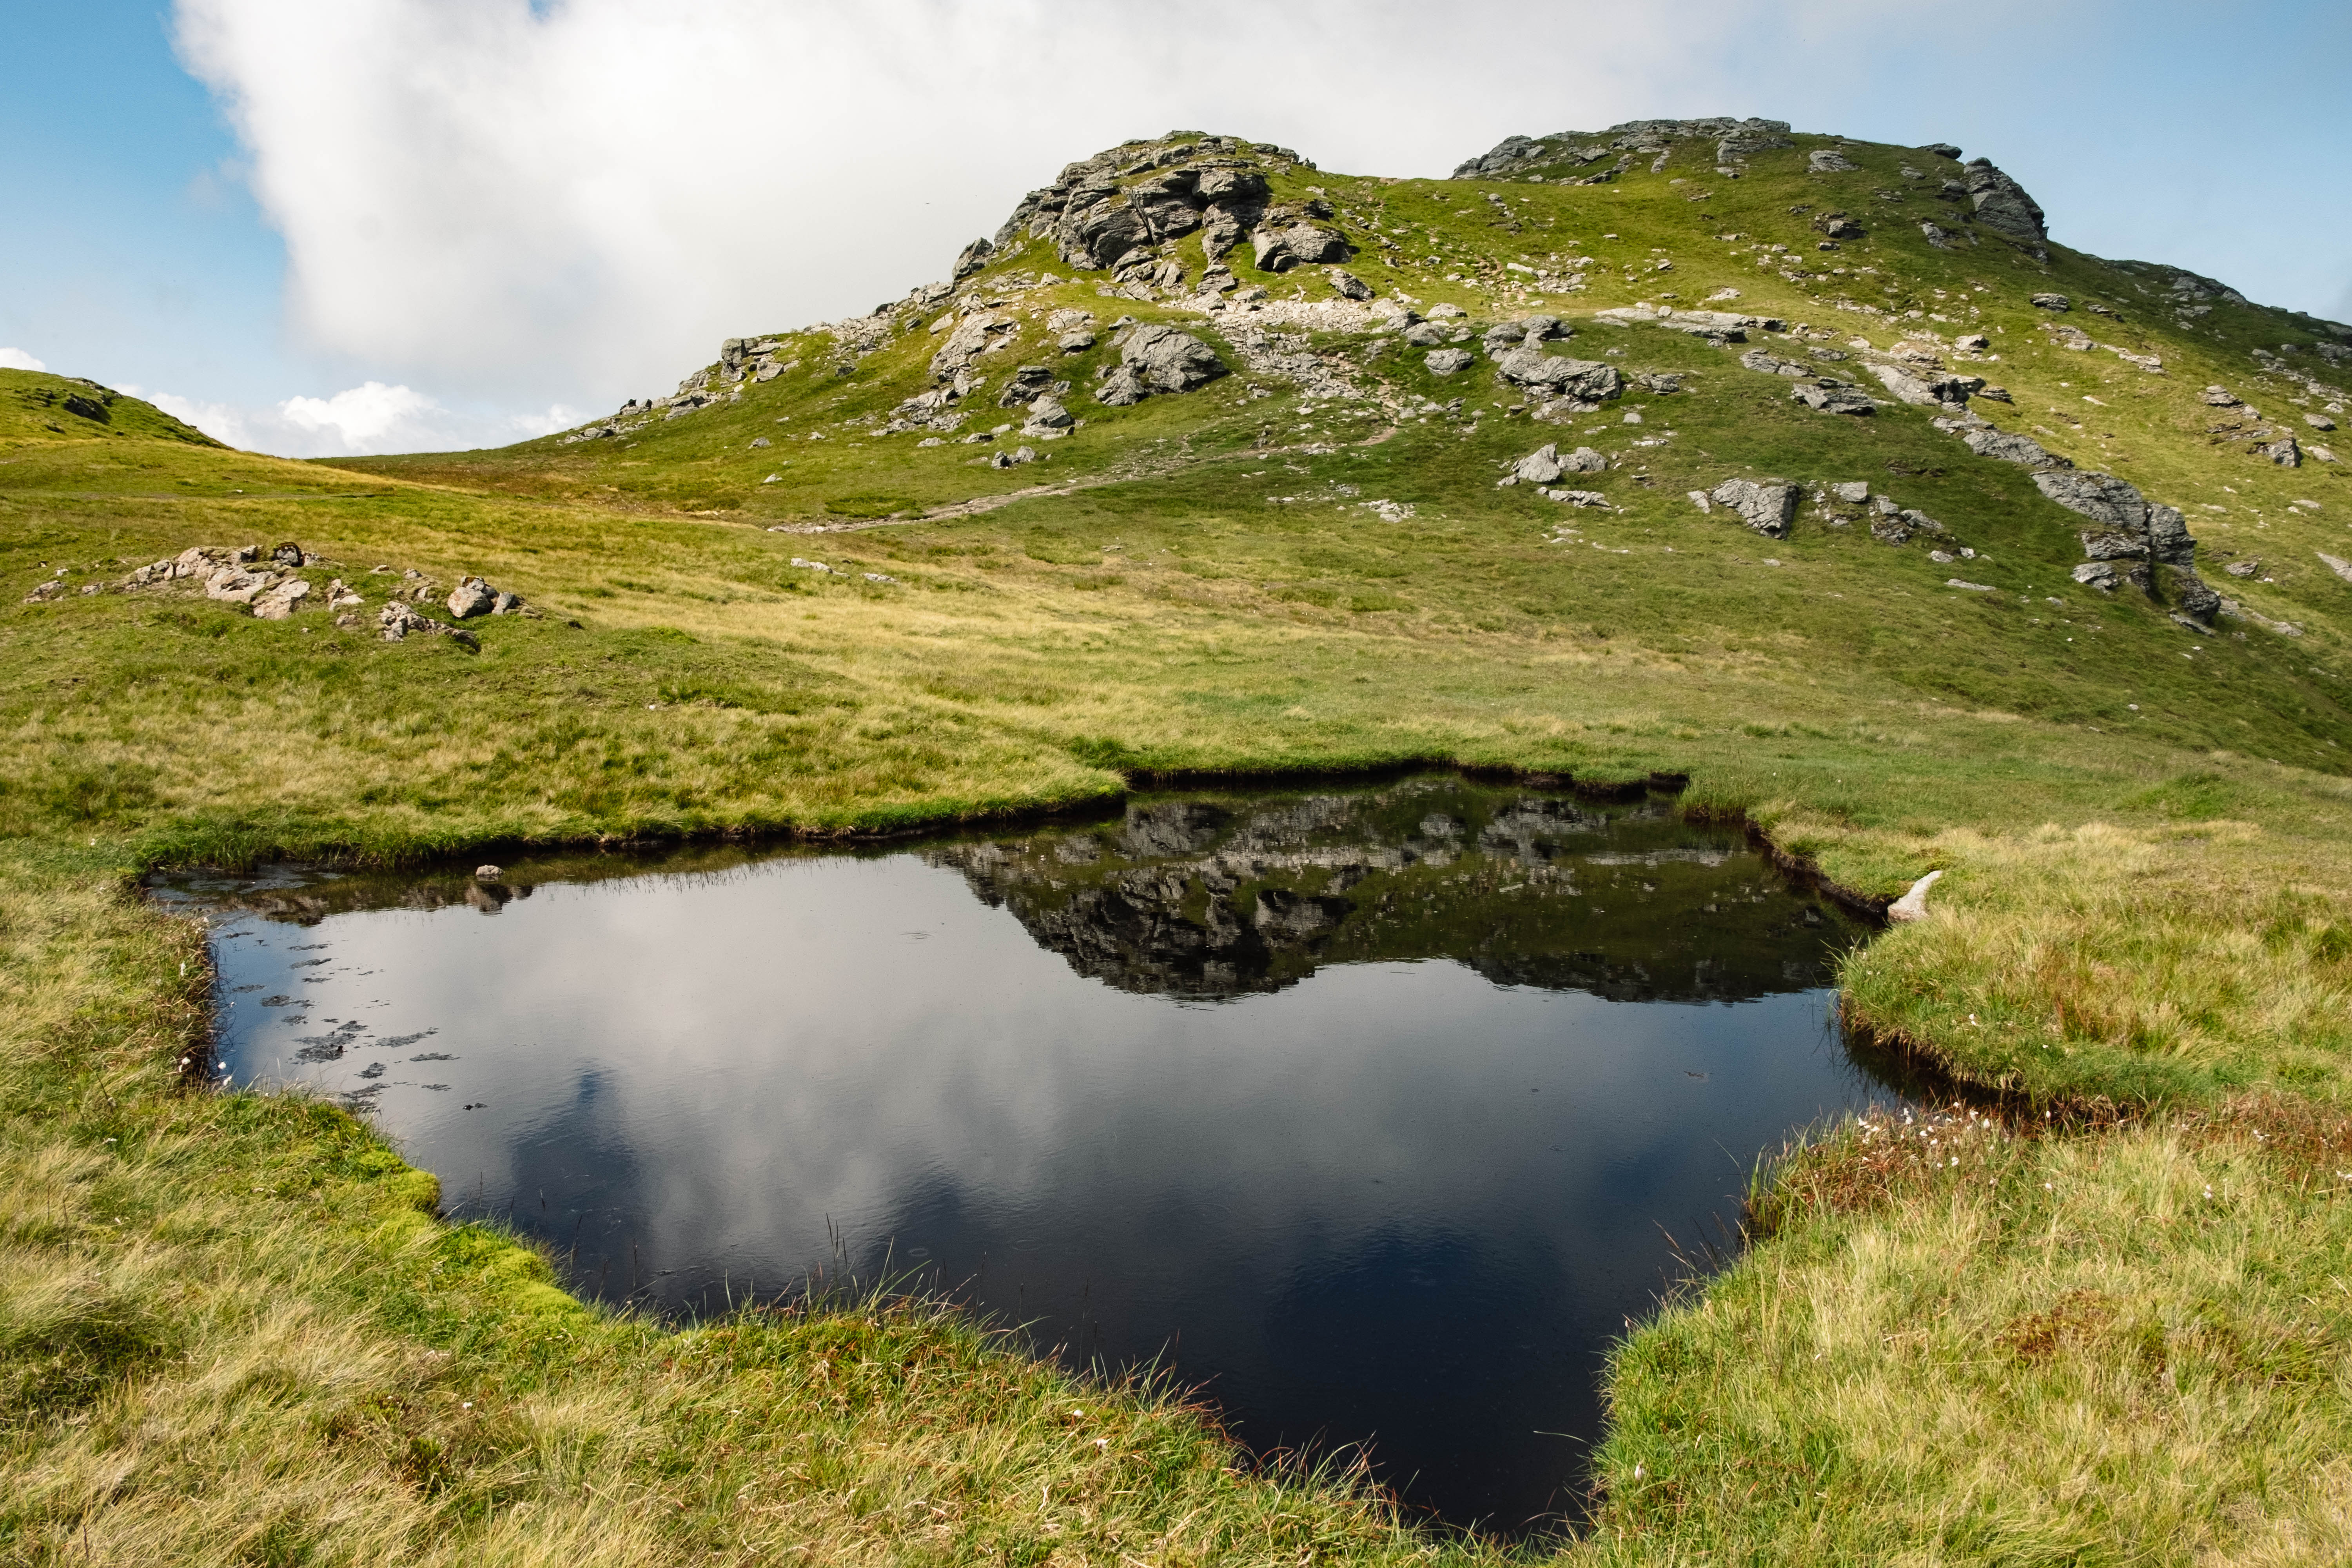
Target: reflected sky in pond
x: 1372, y: 1112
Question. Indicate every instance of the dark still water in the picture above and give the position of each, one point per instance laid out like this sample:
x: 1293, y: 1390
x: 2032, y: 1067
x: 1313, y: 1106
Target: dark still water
x: 1370, y: 1111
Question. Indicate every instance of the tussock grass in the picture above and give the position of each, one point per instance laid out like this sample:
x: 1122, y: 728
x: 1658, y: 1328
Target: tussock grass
x: 1970, y: 1340
x: 231, y: 1331
x: 231, y: 1328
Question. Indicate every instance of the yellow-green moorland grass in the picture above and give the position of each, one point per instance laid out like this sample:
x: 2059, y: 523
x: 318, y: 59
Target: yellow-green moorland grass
x: 232, y: 1330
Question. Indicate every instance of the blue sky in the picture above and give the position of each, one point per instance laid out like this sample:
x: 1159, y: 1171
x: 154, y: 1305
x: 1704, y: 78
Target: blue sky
x: 399, y: 223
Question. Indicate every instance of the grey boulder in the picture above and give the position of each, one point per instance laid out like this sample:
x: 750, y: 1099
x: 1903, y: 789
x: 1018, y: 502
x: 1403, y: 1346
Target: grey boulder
x: 1100, y: 233
x: 1767, y: 362
x: 1587, y: 379
x: 1047, y: 414
x: 2101, y: 498
x: 1120, y: 388
x: 1767, y: 506
x: 1279, y: 249
x: 2003, y: 205
x: 1541, y: 467
x: 472, y: 597
x: 1446, y: 362
x: 1166, y: 360
x: 2009, y: 448
x: 1833, y: 397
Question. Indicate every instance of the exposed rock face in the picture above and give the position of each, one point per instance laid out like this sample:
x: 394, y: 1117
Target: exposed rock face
x: 1280, y: 246
x: 2002, y: 207
x: 1827, y: 161
x: 2133, y: 541
x: 1111, y: 210
x: 1948, y: 390
x: 1832, y: 397
x: 1588, y: 380
x: 1767, y: 506
x: 1717, y: 327
x: 1734, y: 140
x: 2009, y: 449
x: 1540, y: 466
x: 1766, y: 362
x: 1102, y: 232
x: 972, y: 259
x: 1046, y: 417
x: 973, y: 336
x: 1166, y: 360
x: 1448, y: 361
x: 2103, y: 497
x: 1024, y: 386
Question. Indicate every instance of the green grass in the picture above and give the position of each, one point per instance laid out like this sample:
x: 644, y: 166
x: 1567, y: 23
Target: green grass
x: 236, y: 1332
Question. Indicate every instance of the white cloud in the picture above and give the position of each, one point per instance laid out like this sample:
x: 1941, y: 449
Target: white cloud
x: 358, y: 420
x: 17, y: 359
x: 580, y: 199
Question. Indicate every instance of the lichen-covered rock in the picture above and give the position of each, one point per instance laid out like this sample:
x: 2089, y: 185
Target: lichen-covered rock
x: 282, y: 601
x: 472, y: 597
x: 1046, y: 414
x: 2003, y: 205
x: 1279, y: 249
x: 1833, y: 397
x: 1767, y: 506
x: 1765, y: 361
x: 1166, y: 360
x: 1589, y: 380
x: 2010, y: 448
x: 1540, y: 466
x: 2192, y: 596
x: 972, y: 336
x: 2101, y: 498
x: 1121, y: 388
x: 1100, y: 234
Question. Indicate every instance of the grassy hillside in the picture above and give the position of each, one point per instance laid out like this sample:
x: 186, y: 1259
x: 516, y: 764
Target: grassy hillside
x: 231, y: 1330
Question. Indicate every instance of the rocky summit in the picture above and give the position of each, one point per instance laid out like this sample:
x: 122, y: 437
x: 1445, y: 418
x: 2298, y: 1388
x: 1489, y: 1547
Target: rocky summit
x: 1542, y: 285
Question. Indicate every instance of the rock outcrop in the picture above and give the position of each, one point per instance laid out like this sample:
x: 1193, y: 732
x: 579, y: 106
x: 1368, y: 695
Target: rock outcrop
x: 1119, y: 208
x: 1734, y: 140
x: 1767, y: 506
x: 2132, y: 540
x: 2001, y: 206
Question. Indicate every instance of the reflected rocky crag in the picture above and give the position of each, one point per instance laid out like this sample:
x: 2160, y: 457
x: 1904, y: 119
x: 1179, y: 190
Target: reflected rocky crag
x: 1410, y: 1204
x: 1209, y: 896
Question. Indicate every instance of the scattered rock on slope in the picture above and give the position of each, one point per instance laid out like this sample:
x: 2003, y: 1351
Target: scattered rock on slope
x: 1767, y: 506
x: 2003, y: 205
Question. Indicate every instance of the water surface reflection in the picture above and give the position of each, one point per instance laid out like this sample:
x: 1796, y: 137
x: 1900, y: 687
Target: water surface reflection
x: 1370, y: 1111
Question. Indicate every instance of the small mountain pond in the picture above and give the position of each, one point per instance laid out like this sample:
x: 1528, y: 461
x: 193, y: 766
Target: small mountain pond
x: 1372, y: 1112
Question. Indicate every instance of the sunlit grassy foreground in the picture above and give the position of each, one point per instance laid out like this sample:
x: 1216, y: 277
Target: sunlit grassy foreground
x: 2095, y: 1315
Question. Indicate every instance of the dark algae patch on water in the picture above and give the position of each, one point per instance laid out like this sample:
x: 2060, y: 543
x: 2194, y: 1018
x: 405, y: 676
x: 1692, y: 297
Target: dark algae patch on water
x: 1372, y: 1113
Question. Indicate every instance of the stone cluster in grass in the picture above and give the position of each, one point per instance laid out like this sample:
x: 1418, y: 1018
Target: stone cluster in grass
x: 269, y: 584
